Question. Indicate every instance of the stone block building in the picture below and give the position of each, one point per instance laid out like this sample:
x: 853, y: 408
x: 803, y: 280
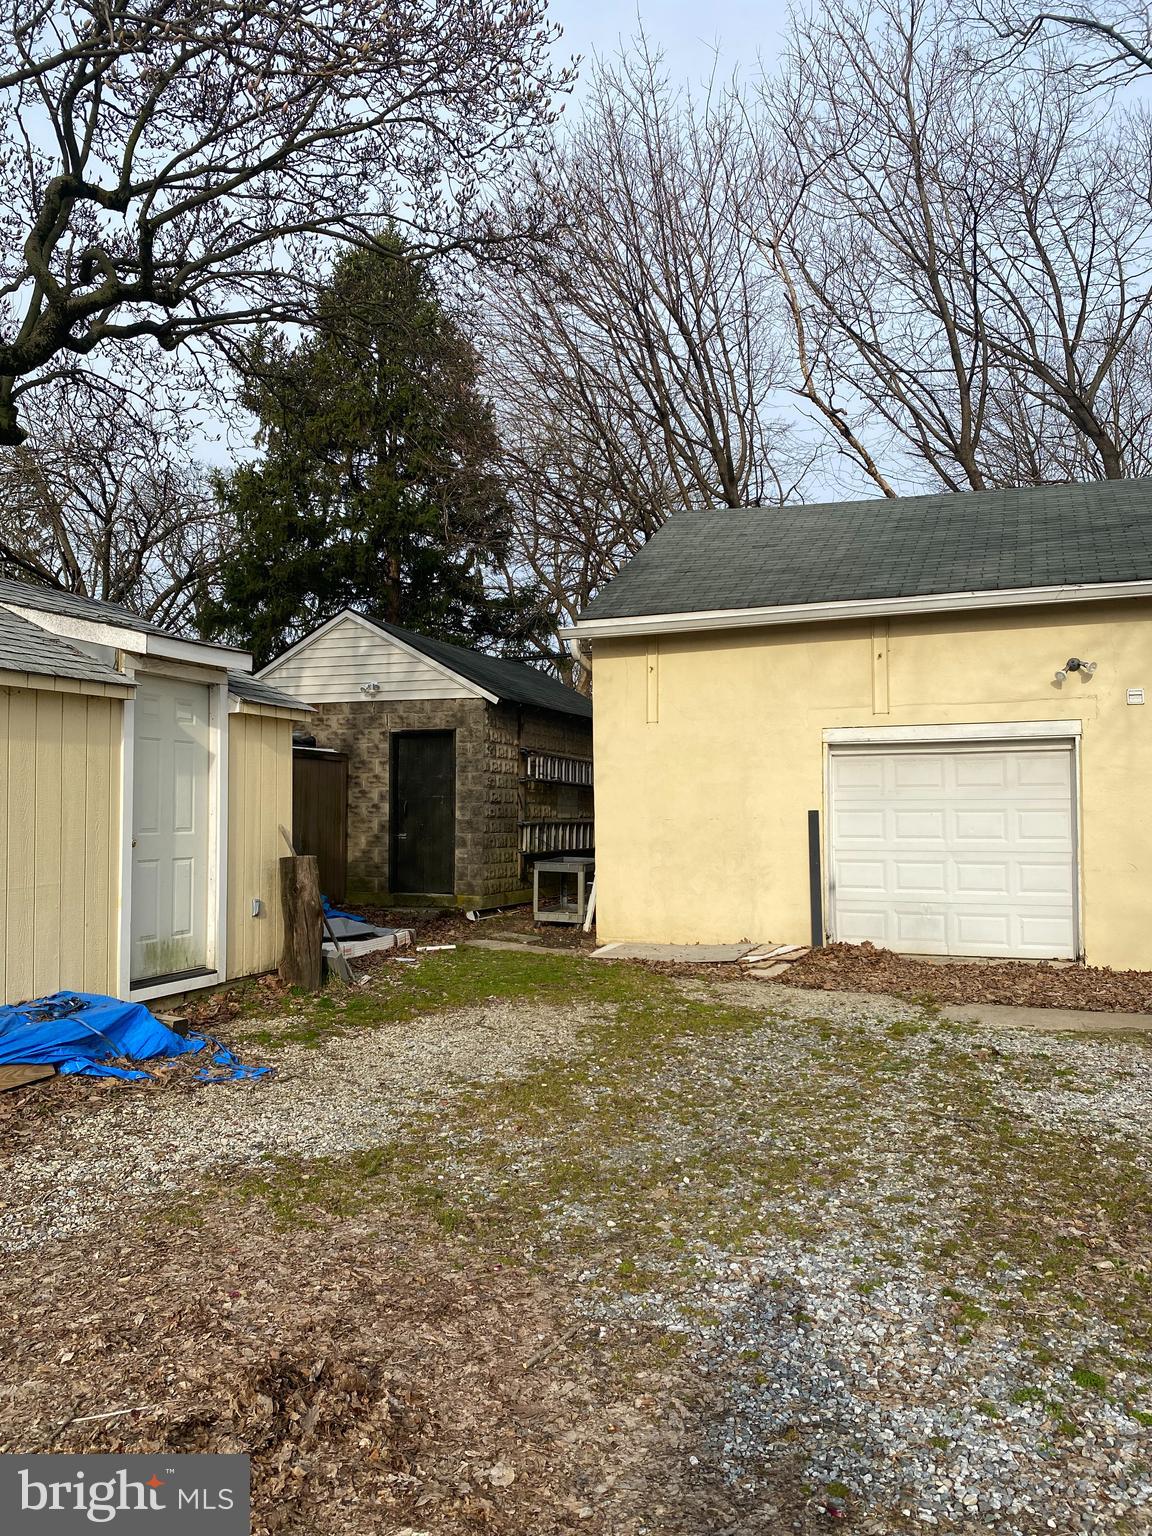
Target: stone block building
x: 462, y: 768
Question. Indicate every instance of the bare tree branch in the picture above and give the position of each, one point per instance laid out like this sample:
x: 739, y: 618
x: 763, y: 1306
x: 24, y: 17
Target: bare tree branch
x: 168, y: 173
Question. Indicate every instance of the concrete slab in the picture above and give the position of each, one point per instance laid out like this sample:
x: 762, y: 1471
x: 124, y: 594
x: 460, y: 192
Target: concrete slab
x: 529, y: 948
x: 678, y: 954
x: 1046, y: 1020
x: 765, y: 972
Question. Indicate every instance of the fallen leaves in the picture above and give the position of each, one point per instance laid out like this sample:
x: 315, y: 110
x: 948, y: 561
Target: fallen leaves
x: 864, y: 968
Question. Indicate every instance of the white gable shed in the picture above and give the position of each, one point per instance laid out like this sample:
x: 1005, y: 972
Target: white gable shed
x: 352, y: 658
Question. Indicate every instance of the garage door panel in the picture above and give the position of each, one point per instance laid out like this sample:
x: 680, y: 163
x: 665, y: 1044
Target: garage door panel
x: 860, y: 772
x: 925, y: 825
x: 954, y: 851
x: 865, y: 925
x: 1053, y: 934
x: 979, y: 770
x: 1043, y: 770
x: 1053, y: 878
x: 975, y: 879
x: 916, y: 773
x: 983, y: 933
x: 916, y: 927
x: 1045, y: 826
x: 864, y: 875
x: 980, y: 826
x: 856, y: 823
x: 910, y: 877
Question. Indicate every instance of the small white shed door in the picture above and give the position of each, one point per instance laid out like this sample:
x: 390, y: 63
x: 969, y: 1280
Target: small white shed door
x: 170, y: 848
x: 955, y: 851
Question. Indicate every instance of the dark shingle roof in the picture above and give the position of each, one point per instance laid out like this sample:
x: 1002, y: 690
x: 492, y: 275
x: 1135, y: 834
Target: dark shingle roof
x: 513, y: 681
x: 26, y: 594
x: 242, y: 685
x: 1042, y: 536
x: 26, y: 648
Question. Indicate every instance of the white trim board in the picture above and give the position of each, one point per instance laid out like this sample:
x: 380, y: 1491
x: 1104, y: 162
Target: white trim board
x: 151, y: 991
x: 930, y: 735
x: 854, y: 608
x: 142, y: 642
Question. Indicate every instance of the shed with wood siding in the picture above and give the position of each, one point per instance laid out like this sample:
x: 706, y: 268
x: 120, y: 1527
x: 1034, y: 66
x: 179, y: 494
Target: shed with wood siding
x: 70, y: 758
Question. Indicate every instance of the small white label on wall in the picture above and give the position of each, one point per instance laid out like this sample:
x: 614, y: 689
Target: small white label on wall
x: 1135, y: 695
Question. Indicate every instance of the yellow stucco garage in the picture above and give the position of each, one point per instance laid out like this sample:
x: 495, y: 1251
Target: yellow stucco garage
x: 904, y: 766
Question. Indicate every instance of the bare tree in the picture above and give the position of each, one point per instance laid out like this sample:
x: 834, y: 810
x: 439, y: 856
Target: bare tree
x: 111, y: 506
x: 975, y: 250
x: 166, y: 172
x: 637, y: 364
x: 1100, y: 45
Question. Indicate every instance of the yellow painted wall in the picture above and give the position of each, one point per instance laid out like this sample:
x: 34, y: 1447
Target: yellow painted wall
x: 259, y: 803
x: 59, y: 842
x: 709, y: 754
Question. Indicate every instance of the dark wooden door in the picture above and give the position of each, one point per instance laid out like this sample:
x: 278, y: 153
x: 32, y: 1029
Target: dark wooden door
x: 424, y: 812
x: 320, y: 815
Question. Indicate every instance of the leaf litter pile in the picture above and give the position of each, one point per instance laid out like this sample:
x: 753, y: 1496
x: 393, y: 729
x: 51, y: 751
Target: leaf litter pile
x: 378, y: 1383
x: 864, y: 968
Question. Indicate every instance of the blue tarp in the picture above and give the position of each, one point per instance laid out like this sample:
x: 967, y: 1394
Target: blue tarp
x: 330, y: 912
x: 84, y: 1032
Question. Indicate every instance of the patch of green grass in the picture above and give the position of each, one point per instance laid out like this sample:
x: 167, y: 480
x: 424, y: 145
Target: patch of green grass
x: 637, y: 1125
x: 988, y: 1410
x: 1090, y: 1381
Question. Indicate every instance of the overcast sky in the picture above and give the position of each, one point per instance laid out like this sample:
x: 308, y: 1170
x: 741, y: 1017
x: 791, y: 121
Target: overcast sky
x: 688, y: 32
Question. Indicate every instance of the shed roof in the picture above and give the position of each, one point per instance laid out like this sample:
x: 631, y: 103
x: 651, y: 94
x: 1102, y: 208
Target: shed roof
x: 26, y: 648
x: 242, y: 685
x: 27, y: 594
x: 985, y: 541
x: 513, y: 681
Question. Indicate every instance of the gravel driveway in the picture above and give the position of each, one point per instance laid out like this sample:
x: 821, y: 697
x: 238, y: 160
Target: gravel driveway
x: 855, y: 1266
x: 357, y: 1091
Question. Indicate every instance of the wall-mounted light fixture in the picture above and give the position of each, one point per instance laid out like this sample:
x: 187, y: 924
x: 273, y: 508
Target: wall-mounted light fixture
x: 1074, y: 664
x: 373, y: 688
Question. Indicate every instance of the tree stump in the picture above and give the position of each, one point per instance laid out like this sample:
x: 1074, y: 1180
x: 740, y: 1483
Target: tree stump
x: 301, y: 964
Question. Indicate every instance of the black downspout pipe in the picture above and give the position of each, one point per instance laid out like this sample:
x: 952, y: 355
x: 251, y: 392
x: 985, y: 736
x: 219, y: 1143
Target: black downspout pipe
x: 815, y: 885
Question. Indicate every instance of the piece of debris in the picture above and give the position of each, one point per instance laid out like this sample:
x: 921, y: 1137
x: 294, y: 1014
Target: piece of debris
x: 86, y: 1033
x: 19, y: 1075
x: 679, y: 954
x: 428, y: 949
x: 356, y: 938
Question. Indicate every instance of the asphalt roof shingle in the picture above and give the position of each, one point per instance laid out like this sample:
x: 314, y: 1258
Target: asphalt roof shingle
x: 242, y: 685
x: 514, y: 681
x: 27, y: 594
x: 915, y: 546
x: 26, y: 648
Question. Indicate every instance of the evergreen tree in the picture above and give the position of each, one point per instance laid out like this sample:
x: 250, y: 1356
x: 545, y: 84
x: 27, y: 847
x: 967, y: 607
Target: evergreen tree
x: 377, y: 488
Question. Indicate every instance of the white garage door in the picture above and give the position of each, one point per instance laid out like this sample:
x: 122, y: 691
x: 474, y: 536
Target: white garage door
x: 955, y: 851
